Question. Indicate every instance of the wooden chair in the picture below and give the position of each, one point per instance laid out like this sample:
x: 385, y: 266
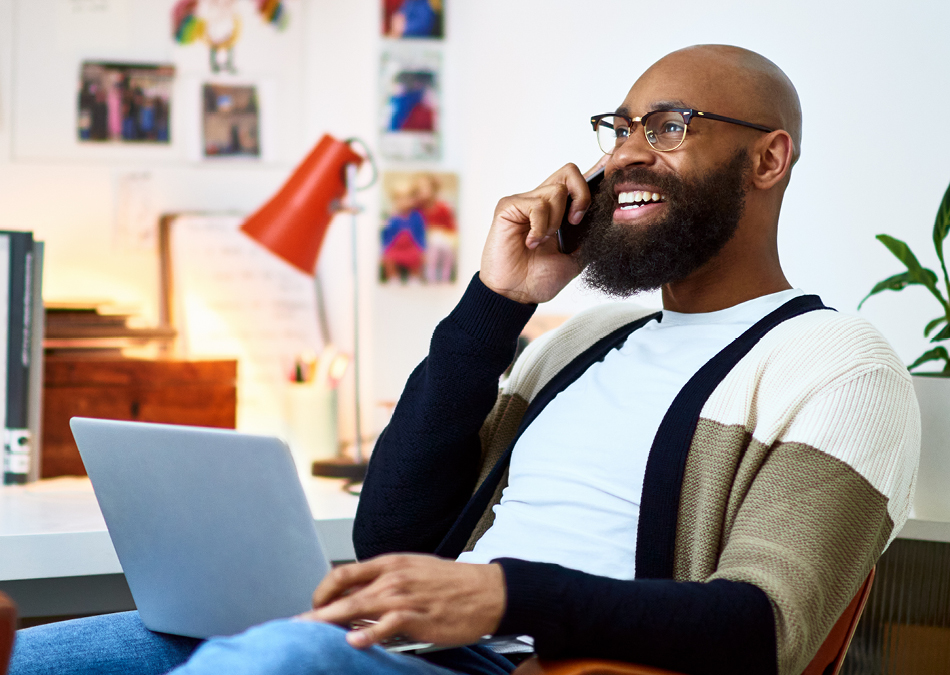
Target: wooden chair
x: 7, y: 631
x: 827, y: 661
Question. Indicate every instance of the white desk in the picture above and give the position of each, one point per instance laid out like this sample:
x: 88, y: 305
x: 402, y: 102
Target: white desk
x: 926, y: 530
x: 56, y: 557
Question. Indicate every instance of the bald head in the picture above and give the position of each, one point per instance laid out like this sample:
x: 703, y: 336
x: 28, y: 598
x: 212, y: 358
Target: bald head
x: 734, y: 82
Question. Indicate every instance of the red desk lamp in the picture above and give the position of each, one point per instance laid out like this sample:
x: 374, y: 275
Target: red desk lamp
x: 293, y: 224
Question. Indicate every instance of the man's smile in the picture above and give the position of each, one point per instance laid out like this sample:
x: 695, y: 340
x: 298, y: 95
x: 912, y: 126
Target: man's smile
x: 634, y: 203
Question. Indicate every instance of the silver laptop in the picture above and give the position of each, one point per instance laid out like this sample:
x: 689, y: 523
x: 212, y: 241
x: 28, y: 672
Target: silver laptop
x: 211, y: 526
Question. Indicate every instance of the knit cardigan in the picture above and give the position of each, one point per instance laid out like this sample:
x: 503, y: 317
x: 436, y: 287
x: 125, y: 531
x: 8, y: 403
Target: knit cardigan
x: 797, y: 473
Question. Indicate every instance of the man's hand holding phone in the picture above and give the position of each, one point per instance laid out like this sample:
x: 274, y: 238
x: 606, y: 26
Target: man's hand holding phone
x: 521, y: 259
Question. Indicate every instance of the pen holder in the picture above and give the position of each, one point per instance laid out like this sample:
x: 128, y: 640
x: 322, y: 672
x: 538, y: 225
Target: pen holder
x: 312, y: 424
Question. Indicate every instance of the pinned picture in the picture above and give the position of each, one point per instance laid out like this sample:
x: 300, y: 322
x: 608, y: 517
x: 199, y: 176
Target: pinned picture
x: 419, y: 236
x: 413, y: 19
x: 231, y: 125
x: 125, y: 102
x: 217, y: 23
x: 410, y: 111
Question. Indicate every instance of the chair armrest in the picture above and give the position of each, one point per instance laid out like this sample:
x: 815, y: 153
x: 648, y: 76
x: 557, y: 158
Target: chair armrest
x: 535, y: 666
x: 7, y: 630
x: 829, y: 658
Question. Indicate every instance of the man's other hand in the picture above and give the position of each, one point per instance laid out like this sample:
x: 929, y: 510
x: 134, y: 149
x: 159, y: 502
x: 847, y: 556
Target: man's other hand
x: 521, y: 260
x: 425, y: 598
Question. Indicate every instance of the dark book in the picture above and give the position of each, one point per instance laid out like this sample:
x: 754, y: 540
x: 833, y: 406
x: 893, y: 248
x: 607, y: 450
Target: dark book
x: 17, y: 449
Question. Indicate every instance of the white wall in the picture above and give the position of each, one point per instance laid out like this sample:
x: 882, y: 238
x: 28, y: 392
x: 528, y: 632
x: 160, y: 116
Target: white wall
x: 521, y: 79
x: 872, y: 77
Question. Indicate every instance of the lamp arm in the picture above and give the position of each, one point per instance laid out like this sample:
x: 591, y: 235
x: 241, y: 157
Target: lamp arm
x: 351, y: 170
x: 369, y: 158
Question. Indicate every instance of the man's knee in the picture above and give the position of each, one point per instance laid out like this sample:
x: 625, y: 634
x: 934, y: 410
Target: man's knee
x: 107, y: 643
x: 283, y: 647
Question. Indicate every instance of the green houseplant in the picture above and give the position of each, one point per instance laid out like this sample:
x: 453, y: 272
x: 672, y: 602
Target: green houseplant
x: 932, y: 499
x: 917, y: 275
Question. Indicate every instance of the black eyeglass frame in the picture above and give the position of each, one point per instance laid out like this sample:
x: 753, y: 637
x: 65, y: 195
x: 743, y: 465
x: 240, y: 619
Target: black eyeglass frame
x: 687, y: 113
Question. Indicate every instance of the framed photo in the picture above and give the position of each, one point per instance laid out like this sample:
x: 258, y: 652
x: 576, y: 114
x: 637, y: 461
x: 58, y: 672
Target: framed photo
x: 413, y: 19
x: 419, y: 230
x: 230, y: 121
x: 410, y: 108
x: 125, y: 103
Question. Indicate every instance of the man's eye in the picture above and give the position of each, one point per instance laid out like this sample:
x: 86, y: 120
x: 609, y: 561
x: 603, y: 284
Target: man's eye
x: 622, y: 132
x: 671, y: 128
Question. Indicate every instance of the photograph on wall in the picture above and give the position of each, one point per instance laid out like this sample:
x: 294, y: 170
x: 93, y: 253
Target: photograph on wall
x: 419, y: 233
x: 125, y: 102
x: 217, y: 23
x: 410, y: 105
x: 413, y: 19
x: 231, y: 124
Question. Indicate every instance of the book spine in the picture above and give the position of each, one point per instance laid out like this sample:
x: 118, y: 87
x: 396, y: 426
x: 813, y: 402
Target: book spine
x: 17, y: 444
x: 35, y: 406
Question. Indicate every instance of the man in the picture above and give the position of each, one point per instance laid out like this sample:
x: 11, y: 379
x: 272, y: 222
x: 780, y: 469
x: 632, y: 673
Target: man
x: 702, y: 489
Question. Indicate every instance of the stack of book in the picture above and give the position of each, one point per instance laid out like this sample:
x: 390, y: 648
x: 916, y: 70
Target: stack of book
x: 96, y: 330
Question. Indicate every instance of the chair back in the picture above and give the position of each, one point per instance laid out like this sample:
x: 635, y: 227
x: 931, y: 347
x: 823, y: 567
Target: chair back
x: 7, y: 631
x: 831, y: 654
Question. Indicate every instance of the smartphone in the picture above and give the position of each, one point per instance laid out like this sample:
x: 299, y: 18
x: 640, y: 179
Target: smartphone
x: 569, y: 237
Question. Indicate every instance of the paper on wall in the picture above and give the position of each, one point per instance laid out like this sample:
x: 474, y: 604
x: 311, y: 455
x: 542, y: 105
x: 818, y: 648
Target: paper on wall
x: 136, y: 216
x: 88, y: 24
x: 235, y: 299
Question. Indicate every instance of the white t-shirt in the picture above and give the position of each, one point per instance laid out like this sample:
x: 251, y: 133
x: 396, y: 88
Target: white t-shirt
x: 576, y: 475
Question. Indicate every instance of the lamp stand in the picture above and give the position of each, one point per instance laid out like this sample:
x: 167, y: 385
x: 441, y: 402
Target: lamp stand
x: 352, y: 469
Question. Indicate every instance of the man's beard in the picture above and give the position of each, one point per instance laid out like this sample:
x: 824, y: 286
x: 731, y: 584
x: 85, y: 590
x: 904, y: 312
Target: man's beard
x: 702, y: 216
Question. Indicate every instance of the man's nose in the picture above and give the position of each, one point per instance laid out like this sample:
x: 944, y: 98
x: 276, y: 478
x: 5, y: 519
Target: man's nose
x: 634, y: 151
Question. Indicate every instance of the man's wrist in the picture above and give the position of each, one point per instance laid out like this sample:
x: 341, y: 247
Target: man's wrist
x: 497, y: 589
x: 514, y: 296
x: 528, y: 604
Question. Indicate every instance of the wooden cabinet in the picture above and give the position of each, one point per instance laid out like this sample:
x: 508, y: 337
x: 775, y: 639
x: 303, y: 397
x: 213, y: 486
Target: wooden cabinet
x: 199, y: 393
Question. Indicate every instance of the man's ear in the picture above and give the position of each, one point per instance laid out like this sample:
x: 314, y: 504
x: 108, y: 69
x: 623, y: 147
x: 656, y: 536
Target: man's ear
x: 772, y: 158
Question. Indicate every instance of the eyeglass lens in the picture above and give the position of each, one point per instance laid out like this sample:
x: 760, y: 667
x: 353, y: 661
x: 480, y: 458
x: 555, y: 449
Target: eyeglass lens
x: 665, y: 130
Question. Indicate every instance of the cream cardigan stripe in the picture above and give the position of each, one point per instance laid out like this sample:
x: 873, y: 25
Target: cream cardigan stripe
x: 821, y: 402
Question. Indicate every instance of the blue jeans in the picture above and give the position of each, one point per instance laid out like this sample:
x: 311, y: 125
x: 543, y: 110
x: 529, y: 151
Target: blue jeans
x: 118, y: 644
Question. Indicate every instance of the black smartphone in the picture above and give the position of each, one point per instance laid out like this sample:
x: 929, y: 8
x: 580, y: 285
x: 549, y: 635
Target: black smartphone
x: 569, y: 236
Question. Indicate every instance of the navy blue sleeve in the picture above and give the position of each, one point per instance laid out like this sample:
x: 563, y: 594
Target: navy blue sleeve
x: 716, y: 627
x: 425, y: 464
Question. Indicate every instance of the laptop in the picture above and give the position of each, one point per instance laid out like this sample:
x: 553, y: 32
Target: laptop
x: 211, y: 527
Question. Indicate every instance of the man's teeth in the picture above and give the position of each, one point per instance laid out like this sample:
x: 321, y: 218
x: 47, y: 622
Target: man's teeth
x: 638, y: 198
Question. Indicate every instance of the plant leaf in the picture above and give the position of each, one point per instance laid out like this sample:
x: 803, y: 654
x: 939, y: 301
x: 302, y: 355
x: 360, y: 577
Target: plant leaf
x: 899, y: 282
x: 942, y: 224
x: 935, y: 354
x: 919, y: 274
x: 903, y: 253
x: 933, y: 324
x: 942, y: 335
x: 895, y: 283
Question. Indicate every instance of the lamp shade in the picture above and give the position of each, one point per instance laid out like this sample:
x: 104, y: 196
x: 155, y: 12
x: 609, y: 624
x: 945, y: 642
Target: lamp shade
x: 295, y: 220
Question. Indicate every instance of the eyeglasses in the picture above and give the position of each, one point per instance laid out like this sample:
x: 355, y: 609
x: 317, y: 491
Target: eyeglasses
x: 665, y: 130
